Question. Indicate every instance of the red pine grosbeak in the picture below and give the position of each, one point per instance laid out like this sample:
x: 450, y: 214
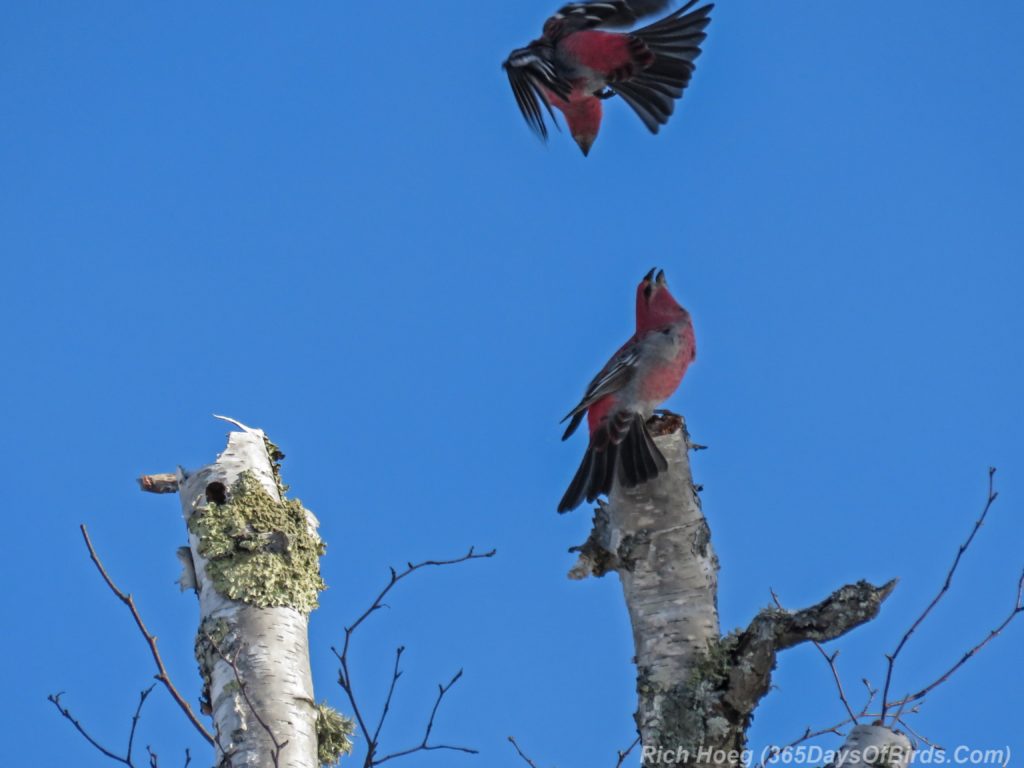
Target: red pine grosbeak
x: 644, y: 373
x: 574, y: 65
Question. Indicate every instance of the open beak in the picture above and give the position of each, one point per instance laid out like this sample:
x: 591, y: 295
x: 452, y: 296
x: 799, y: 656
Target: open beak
x: 648, y: 283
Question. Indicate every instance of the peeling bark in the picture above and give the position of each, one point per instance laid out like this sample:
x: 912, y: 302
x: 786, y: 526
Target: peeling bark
x: 696, y: 690
x: 268, y: 645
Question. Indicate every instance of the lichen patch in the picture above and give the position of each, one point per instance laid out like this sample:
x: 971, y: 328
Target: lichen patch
x: 333, y: 735
x: 259, y: 550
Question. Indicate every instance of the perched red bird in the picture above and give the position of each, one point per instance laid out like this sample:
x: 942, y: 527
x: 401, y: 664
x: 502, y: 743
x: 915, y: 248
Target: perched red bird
x: 574, y: 65
x: 644, y: 373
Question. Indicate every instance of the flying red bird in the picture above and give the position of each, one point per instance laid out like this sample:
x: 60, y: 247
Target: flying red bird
x: 644, y: 373
x: 574, y: 65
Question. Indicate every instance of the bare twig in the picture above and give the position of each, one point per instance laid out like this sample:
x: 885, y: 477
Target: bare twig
x: 161, y: 675
x: 126, y: 759
x: 891, y: 658
x: 1018, y: 607
x: 397, y: 673
x: 275, y: 753
x: 918, y: 736
x: 345, y: 674
x: 520, y: 752
x: 872, y: 692
x: 835, y: 729
x: 831, y: 660
x: 621, y: 755
x: 154, y: 760
x: 625, y: 753
x: 424, y: 746
x: 808, y: 734
x: 135, y: 720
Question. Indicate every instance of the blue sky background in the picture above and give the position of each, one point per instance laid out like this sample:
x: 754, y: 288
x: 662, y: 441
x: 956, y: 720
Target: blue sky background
x: 328, y: 220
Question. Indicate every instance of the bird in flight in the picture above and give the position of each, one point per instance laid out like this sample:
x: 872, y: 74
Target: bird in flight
x: 644, y: 373
x: 575, y: 64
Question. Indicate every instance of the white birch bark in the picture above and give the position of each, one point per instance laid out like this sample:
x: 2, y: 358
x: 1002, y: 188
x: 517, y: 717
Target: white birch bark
x: 669, y: 575
x: 696, y: 690
x: 269, y: 646
x: 874, y: 746
x: 656, y: 538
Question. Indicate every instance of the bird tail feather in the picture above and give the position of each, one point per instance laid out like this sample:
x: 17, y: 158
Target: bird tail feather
x: 620, y: 448
x: 675, y: 43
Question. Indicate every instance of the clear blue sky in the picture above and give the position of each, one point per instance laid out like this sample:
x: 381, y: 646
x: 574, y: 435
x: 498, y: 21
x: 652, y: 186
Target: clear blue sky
x: 329, y: 220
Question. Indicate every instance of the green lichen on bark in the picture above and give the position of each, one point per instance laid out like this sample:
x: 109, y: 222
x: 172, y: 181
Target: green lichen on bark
x: 260, y: 551
x: 213, y: 634
x: 333, y: 735
x: 691, y: 714
x: 276, y: 457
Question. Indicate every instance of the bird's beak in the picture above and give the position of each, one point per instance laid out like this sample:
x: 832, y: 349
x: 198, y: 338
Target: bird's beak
x: 648, y: 284
x: 585, y: 142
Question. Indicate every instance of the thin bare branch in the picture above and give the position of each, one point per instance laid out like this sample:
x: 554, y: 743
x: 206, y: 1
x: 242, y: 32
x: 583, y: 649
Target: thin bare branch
x: 54, y: 698
x: 396, y: 673
x: 162, y: 676
x: 1018, y: 607
x: 831, y: 660
x: 345, y: 674
x: 891, y: 658
x: 625, y: 753
x: 424, y: 746
x: 620, y: 755
x: 135, y: 720
x: 275, y: 753
x: 126, y: 759
x: 154, y: 760
x: 808, y: 734
x: 520, y: 752
x: 872, y: 692
x: 918, y: 736
x: 812, y: 734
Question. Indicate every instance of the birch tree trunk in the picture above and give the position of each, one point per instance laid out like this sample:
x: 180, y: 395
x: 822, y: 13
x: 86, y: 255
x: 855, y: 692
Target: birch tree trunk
x: 253, y: 559
x: 696, y: 690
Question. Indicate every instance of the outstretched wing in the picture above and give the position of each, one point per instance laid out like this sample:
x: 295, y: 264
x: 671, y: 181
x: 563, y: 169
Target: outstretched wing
x: 531, y: 75
x: 614, y: 376
x: 675, y: 43
x: 614, y: 13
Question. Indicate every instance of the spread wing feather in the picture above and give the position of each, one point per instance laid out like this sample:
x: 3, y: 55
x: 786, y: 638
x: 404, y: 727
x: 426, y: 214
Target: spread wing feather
x: 531, y: 74
x: 574, y: 17
x: 614, y: 376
